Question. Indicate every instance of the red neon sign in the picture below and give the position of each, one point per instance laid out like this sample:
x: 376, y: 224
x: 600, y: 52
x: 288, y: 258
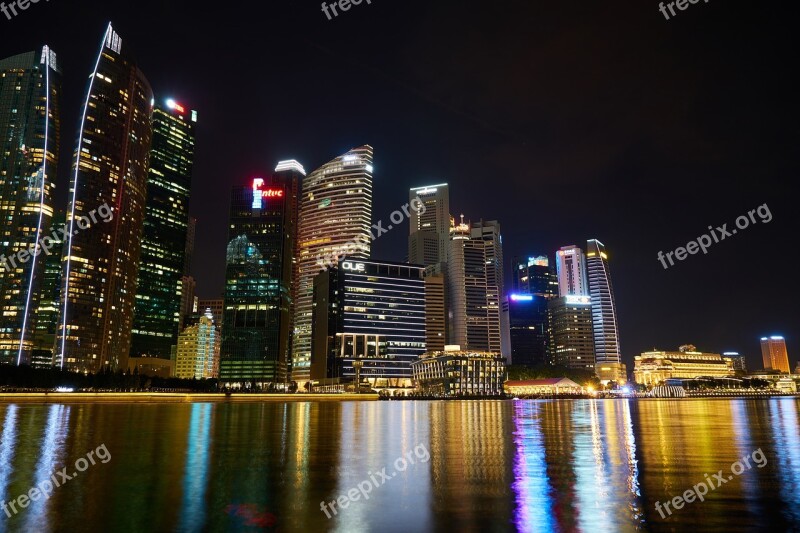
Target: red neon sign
x: 258, y: 193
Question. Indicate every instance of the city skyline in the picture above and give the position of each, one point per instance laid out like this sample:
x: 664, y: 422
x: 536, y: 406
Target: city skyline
x: 398, y: 267
x: 633, y: 272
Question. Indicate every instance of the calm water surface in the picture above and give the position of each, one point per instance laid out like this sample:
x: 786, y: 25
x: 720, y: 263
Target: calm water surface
x: 491, y: 466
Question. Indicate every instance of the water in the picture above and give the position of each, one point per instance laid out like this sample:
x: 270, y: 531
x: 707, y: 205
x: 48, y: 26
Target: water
x: 469, y: 466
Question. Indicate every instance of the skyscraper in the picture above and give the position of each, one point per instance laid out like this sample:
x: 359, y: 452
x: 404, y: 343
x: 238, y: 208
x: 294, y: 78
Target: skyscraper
x: 571, y: 271
x: 608, y: 358
x: 373, y: 312
x: 157, y: 313
x: 474, y: 284
x: 47, y: 310
x: 534, y: 283
x: 435, y: 311
x: 571, y: 333
x: 429, y: 226
x: 335, y: 220
x: 258, y: 302
x: 101, y: 259
x: 528, y: 329
x: 774, y: 354
x: 30, y: 94
x: 533, y: 275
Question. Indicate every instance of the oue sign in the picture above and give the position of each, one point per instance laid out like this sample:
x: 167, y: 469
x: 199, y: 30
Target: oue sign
x: 354, y: 267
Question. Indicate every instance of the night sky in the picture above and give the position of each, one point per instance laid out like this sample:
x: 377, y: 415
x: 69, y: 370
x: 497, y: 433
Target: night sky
x: 564, y: 121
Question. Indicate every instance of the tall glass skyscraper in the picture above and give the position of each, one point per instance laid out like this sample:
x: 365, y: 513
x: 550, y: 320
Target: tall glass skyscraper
x: 474, y: 285
x: 47, y: 310
x: 533, y: 275
x: 335, y: 221
x: 534, y: 283
x: 429, y: 227
x: 30, y: 94
x: 608, y: 359
x: 101, y: 259
x: 258, y: 300
x: 571, y: 271
x: 164, y: 243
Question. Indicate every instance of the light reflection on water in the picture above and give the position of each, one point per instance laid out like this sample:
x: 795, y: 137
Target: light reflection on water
x: 589, y: 465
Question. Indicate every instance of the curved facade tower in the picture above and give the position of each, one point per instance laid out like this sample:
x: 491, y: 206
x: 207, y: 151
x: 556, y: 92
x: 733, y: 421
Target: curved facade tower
x: 608, y: 359
x: 30, y: 91
x: 335, y: 220
x: 101, y: 255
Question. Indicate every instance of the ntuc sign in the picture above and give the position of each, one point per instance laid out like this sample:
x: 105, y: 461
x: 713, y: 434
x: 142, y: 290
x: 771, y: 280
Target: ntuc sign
x: 354, y: 267
x: 259, y: 192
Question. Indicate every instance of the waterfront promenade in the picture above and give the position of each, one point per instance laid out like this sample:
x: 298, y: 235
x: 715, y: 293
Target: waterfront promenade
x: 171, y: 397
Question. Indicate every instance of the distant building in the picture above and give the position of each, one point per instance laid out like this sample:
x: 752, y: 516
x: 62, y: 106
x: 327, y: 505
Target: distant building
x: 542, y: 387
x: 653, y: 368
x: 435, y: 311
x: 187, y: 291
x: 533, y: 282
x: 607, y: 352
x: 474, y: 285
x: 216, y: 305
x: 456, y: 373
x: 372, y: 312
x: 528, y: 329
x: 429, y: 226
x: 534, y: 275
x: 571, y: 335
x: 571, y: 272
x: 197, y: 355
x: 774, y: 354
x: 739, y: 363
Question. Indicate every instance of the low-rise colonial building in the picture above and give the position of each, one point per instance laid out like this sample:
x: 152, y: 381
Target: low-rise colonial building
x: 547, y: 386
x: 653, y: 368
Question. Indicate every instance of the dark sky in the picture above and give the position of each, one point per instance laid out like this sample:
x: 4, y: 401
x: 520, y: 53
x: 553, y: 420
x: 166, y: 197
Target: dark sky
x: 563, y: 120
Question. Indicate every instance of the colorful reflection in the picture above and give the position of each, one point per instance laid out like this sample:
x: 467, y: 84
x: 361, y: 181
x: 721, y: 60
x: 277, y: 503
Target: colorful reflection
x: 583, y: 465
